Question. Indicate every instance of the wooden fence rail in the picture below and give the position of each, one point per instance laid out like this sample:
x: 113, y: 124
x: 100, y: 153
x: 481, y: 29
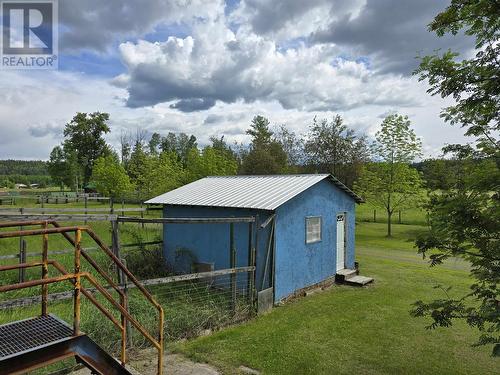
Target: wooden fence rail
x: 71, y: 251
x: 72, y: 209
x: 57, y: 217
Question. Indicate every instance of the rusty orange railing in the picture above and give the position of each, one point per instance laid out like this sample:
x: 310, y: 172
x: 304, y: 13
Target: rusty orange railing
x: 76, y: 277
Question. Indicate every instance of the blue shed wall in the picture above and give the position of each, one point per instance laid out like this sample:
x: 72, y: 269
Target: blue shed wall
x: 298, y: 264
x: 210, y: 242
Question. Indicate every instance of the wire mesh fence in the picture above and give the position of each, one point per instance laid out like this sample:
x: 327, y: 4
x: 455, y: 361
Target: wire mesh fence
x: 194, y: 303
x: 194, y: 306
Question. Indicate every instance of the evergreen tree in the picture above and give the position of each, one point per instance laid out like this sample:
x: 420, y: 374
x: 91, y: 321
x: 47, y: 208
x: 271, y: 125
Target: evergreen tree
x: 266, y: 155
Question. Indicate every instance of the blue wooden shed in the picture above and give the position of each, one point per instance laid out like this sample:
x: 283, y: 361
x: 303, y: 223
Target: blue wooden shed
x: 307, y: 222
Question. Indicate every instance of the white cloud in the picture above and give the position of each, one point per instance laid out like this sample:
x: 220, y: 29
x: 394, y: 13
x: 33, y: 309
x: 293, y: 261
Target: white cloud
x: 96, y: 25
x: 227, y: 68
x: 34, y: 108
x: 216, y: 64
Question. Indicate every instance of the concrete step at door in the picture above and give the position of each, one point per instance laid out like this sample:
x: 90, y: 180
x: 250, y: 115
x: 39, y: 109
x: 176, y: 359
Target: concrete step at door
x: 345, y: 274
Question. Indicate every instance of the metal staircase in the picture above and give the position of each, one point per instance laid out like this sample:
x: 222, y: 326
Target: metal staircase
x: 32, y: 343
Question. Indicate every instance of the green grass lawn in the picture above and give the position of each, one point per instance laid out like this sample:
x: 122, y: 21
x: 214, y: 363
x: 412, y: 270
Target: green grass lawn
x: 349, y: 330
x: 341, y: 330
x: 414, y: 215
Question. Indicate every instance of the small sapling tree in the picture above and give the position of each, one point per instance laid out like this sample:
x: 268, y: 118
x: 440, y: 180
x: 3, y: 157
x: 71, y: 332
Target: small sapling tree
x: 389, y: 182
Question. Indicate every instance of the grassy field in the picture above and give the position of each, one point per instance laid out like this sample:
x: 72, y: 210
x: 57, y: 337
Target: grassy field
x: 103, y: 229
x: 415, y: 216
x: 349, y: 330
x: 340, y: 330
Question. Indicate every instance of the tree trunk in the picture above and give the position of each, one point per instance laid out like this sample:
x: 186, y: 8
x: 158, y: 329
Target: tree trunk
x: 389, y: 224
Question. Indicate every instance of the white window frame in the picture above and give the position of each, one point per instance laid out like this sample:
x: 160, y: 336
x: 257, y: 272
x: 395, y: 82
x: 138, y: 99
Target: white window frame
x: 316, y: 238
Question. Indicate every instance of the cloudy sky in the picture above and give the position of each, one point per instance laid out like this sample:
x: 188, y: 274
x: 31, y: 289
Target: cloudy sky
x: 207, y: 67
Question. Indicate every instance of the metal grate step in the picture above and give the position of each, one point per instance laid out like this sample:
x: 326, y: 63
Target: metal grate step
x: 31, y: 334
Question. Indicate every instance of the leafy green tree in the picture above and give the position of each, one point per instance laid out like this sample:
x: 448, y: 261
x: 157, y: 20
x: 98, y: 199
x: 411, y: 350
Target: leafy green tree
x: 391, y: 183
x: 327, y: 144
x: 440, y: 174
x: 84, y: 140
x: 210, y: 162
x: 465, y: 220
x: 293, y: 146
x: 167, y: 174
x: 138, y: 164
x: 64, y: 168
x: 7, y: 183
x: 57, y: 167
x: 125, y: 148
x: 110, y: 177
x: 154, y: 174
x: 390, y: 187
x: 396, y: 142
x: 221, y: 145
x: 358, y: 156
x: 473, y: 82
x: 169, y: 143
x: 332, y: 147
x: 154, y: 143
x: 266, y: 154
x: 179, y: 144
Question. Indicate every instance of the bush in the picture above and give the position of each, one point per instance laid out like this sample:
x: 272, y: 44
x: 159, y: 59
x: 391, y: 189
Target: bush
x: 145, y: 261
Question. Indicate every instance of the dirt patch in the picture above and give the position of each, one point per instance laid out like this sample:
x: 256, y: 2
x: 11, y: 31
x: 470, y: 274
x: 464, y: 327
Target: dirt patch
x: 144, y: 363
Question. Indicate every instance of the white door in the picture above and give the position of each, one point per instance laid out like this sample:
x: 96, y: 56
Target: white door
x: 340, y: 241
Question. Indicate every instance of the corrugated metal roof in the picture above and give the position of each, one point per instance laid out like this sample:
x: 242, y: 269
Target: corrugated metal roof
x: 257, y: 192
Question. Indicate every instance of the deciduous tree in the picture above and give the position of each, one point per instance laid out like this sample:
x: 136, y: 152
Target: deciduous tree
x: 58, y: 168
x: 331, y: 147
x: 84, y: 138
x: 465, y: 220
x: 209, y: 162
x: 390, y: 182
x: 293, y: 146
x: 110, y: 177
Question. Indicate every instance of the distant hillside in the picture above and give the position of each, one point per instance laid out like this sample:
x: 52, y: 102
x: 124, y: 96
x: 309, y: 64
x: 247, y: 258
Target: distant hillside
x: 24, y: 172
x: 23, y: 167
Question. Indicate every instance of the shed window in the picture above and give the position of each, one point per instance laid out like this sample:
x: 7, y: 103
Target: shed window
x: 313, y: 229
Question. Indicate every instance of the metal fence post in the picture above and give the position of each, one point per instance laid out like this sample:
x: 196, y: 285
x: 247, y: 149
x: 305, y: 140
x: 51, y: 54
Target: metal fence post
x: 232, y: 250
x: 115, y: 247
x: 22, y: 249
x: 250, y: 264
x: 142, y: 215
x: 76, y: 295
x: 255, y: 255
x: 86, y: 202
x: 45, y: 269
x: 22, y: 259
x: 127, y: 339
